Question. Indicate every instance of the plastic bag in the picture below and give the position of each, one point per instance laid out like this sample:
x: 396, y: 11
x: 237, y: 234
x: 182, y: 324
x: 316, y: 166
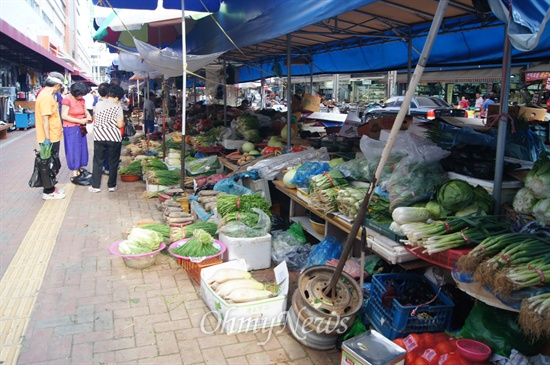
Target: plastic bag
x: 415, y: 176
x: 239, y: 229
x: 285, y: 247
x: 354, y: 169
x: 44, y: 173
x: 306, y: 171
x: 414, y: 181
x: 270, y: 167
x: 524, y: 145
x: 203, y: 165
x: 328, y: 249
x: 498, y: 329
x: 297, y: 231
x: 230, y: 186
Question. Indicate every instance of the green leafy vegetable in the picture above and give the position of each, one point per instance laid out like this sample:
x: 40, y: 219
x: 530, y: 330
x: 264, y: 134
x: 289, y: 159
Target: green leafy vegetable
x: 455, y: 195
x: 228, y: 203
x: 146, y: 238
x: 200, y: 245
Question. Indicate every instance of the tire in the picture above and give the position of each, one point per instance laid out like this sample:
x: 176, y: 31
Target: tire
x: 368, y: 117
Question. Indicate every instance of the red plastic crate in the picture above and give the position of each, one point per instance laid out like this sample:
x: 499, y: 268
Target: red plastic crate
x: 209, y: 149
x: 446, y: 259
x: 194, y: 269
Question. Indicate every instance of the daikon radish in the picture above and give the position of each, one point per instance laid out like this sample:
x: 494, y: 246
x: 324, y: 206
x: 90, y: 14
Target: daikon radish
x: 223, y: 275
x: 240, y: 295
x: 224, y: 289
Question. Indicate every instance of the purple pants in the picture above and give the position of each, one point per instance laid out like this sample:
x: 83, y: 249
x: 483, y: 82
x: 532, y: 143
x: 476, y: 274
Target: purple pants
x: 76, y: 148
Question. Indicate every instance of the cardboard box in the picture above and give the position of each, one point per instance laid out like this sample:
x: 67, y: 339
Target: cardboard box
x: 533, y: 114
x: 241, y: 317
x: 311, y: 103
x: 349, y: 129
x: 373, y: 127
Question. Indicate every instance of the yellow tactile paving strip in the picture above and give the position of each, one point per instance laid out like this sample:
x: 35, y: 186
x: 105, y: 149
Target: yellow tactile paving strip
x: 23, y: 278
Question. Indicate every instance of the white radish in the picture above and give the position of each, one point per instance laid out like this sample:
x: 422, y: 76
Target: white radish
x: 241, y: 295
x: 224, y: 289
x: 223, y: 275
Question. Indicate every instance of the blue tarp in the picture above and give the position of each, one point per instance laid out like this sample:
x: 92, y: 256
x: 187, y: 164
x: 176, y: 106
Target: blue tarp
x: 248, y: 22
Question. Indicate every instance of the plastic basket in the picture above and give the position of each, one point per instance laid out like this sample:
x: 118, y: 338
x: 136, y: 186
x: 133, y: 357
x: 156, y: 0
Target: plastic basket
x: 446, y: 259
x: 194, y: 268
x: 435, y: 317
x: 377, y: 319
x: 384, y: 229
x: 209, y: 149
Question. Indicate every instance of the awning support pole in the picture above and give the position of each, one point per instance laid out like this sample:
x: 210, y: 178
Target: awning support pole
x: 183, y: 102
x: 502, y: 123
x: 224, y: 93
x: 288, y: 92
x: 330, y: 290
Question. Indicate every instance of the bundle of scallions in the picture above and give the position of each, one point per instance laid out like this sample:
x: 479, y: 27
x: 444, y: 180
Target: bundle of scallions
x: 533, y: 273
x: 349, y: 200
x: 454, y: 232
x: 324, y: 200
x: 517, y: 253
x: 489, y: 247
x: 534, y: 316
x: 326, y: 180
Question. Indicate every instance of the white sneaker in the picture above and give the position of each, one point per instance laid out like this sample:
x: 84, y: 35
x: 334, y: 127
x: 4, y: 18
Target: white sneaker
x: 53, y: 196
x: 60, y: 191
x: 113, y: 189
x: 94, y: 190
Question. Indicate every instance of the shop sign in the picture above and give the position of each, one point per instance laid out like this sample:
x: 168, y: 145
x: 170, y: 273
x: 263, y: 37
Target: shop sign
x: 533, y: 76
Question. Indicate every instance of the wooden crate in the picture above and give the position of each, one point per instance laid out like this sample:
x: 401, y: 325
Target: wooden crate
x: 194, y: 268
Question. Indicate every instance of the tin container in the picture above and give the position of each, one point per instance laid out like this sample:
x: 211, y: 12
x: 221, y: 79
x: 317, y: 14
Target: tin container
x: 371, y: 348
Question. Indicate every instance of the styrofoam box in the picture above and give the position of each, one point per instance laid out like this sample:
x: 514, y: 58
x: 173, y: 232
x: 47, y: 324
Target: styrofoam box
x: 509, y: 188
x: 233, y: 144
x: 302, y: 194
x: 153, y: 188
x: 255, y: 251
x: 241, y: 317
x: 391, y: 251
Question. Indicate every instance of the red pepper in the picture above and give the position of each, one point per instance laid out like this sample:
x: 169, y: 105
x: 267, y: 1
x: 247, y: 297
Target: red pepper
x: 298, y: 149
x: 270, y: 150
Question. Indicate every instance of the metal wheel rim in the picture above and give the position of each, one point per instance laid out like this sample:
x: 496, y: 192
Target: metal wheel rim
x: 315, y: 279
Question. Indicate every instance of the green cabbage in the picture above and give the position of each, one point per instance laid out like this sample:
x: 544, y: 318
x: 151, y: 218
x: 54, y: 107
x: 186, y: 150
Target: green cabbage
x: 455, y: 195
x: 434, y: 208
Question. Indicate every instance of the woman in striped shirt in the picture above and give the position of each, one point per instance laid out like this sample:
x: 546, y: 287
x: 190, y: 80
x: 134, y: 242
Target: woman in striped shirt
x: 108, y: 119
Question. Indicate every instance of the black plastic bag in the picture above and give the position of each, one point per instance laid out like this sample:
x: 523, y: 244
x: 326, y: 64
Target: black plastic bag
x: 44, y: 173
x: 129, y: 129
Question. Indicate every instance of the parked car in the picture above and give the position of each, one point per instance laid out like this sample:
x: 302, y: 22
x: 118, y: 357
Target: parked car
x: 423, y: 107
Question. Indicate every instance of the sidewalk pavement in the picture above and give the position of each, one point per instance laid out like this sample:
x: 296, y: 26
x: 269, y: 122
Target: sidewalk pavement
x: 89, y: 308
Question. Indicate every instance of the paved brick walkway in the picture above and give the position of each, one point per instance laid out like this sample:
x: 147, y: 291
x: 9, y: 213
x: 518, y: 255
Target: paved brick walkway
x: 92, y: 309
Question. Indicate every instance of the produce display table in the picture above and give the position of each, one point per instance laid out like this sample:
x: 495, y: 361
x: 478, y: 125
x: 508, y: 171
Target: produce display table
x: 335, y: 226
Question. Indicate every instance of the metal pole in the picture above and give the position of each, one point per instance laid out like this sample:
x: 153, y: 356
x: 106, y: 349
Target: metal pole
x: 311, y: 76
x: 184, y: 86
x: 288, y: 92
x: 224, y: 94
x: 360, y: 218
x: 502, y: 122
x: 409, y: 57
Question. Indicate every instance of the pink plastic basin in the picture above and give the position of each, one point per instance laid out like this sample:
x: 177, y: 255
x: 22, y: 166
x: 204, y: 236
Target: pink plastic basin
x: 473, y: 350
x: 182, y: 242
